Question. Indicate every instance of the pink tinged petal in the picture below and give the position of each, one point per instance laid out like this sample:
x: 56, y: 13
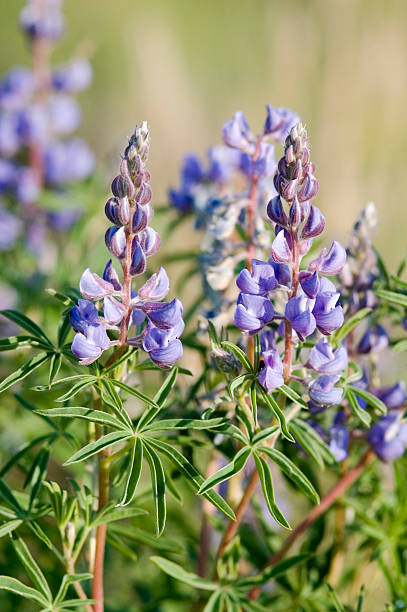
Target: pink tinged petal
x: 156, y: 288
x: 113, y: 311
x: 280, y: 249
x: 92, y: 287
x: 334, y: 261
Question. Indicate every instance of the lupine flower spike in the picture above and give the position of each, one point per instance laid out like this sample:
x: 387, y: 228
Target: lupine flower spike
x: 131, y: 240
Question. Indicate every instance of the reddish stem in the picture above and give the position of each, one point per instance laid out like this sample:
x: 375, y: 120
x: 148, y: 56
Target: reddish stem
x: 97, y: 586
x: 326, y: 502
x: 288, y: 351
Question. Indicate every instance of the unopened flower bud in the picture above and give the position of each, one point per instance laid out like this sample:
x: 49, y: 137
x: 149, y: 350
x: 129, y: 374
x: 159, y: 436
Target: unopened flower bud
x: 144, y: 194
x: 308, y: 189
x: 150, y: 241
x: 295, y: 214
x: 115, y: 239
x: 140, y: 219
x: 138, y: 263
x: 122, y: 186
x: 276, y: 213
x: 315, y: 224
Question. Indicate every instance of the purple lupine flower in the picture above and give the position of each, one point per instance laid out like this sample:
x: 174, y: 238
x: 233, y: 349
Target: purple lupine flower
x: 328, y: 314
x: 388, y: 436
x: 63, y: 220
x: 67, y: 162
x: 82, y: 315
x: 192, y: 174
x: 259, y: 281
x: 131, y: 241
x: 253, y: 312
x: 279, y: 122
x: 330, y: 262
x: 42, y: 19
x: 325, y: 360
x: 393, y: 396
x: 281, y: 247
x: 310, y: 283
x: 298, y: 311
x: 323, y: 390
x: 271, y: 376
x: 10, y: 229
x: 223, y: 162
x: 282, y: 272
x: 374, y: 340
x: 339, y: 437
x: 236, y: 134
x: 15, y: 87
x: 74, y: 77
x: 64, y: 114
x: 89, y: 346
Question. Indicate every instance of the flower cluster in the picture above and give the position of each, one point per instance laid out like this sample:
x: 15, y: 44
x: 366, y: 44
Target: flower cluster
x: 131, y: 240
x: 37, y: 114
x: 222, y: 197
x: 312, y: 299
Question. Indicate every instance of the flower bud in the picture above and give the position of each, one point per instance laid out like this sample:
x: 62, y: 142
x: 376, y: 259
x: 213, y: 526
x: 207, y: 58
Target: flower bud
x: 308, y: 189
x: 115, y: 239
x: 140, y: 219
x: 297, y: 173
x: 144, y: 194
x: 289, y: 155
x: 288, y: 189
x: 150, y: 241
x: 295, y: 214
x: 138, y: 262
x: 122, y: 186
x: 315, y: 224
x: 124, y: 211
x: 111, y: 210
x: 276, y: 213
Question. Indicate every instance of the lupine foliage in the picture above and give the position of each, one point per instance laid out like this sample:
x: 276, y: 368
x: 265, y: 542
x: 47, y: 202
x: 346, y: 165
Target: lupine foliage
x: 245, y: 452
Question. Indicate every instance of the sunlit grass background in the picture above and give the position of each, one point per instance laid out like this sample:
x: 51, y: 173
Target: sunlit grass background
x: 186, y: 66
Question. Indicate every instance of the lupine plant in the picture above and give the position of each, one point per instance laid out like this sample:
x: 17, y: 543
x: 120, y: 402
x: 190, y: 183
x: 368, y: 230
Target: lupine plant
x: 279, y: 470
x: 40, y: 163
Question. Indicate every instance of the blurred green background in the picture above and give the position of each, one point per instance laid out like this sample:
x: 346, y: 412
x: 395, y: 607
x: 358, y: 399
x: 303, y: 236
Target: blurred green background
x: 186, y: 66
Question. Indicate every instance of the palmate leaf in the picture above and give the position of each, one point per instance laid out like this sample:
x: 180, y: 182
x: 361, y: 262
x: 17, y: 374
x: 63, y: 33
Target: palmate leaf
x: 9, y: 497
x: 38, y: 474
x: 158, y: 401
x: 171, y: 424
x: 95, y: 447
x: 335, y: 599
x: 112, y: 513
x: 131, y: 391
x: 192, y: 474
x: 26, y: 369
x: 292, y: 471
x: 391, y: 296
x: 234, y: 467
x: 24, y: 450
x: 134, y: 472
x: 79, y: 412
x: 158, y: 486
x: 239, y: 354
x: 271, y: 573
x: 293, y: 396
x: 9, y: 527
x: 215, y: 602
x: 268, y: 492
x: 176, y: 571
x: 141, y: 536
x: 19, y: 588
x: 54, y: 367
x: 21, y: 342
x: 23, y: 321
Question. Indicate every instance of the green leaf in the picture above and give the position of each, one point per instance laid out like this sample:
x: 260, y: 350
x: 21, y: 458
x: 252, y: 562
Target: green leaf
x: 234, y: 467
x: 83, y: 382
x: 158, y: 486
x: 116, y: 404
x: 8, y: 496
x: 165, y: 389
x: 267, y: 486
x: 338, y: 606
x: 113, y: 513
x: 63, y: 330
x: 124, y: 357
x: 361, y: 598
x: 400, y: 346
x: 311, y: 441
x: 292, y: 471
x: 271, y: 573
x: 237, y: 382
x: 130, y: 532
x: 32, y: 568
x: 21, y: 342
x: 350, y: 324
x: 176, y: 571
x: 293, y: 396
x: 54, y: 367
x: 23, y: 450
x: 278, y: 413
x: 214, y: 603
x: 78, y: 412
x: 249, y: 605
x: 391, y: 296
x: 26, y: 369
x: 135, y: 393
x: 253, y: 402
x: 133, y: 476
x: 257, y: 352
x: 38, y: 474
x: 170, y: 424
x: 239, y: 354
x: 67, y: 580
x: 361, y: 414
x: 61, y: 297
x: 95, y: 447
x: 194, y: 477
x: 23, y: 321
x: 17, y: 587
x: 9, y: 527
x: 371, y: 399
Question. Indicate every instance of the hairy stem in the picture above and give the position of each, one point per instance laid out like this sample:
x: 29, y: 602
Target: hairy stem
x: 97, y: 587
x: 330, y: 498
x: 288, y: 337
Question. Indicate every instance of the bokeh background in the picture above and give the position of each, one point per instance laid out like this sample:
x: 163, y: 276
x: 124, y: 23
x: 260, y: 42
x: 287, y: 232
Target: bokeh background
x: 186, y: 66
